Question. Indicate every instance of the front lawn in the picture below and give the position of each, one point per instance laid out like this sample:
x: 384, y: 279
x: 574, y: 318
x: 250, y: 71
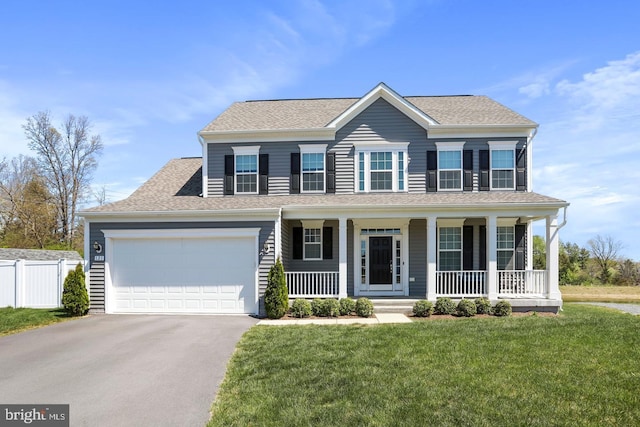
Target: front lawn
x: 18, y: 319
x: 601, y: 293
x: 578, y: 368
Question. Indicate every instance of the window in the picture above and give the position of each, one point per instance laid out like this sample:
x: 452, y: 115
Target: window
x: 503, y: 165
x: 450, y: 248
x: 313, y: 172
x: 381, y: 171
x: 313, y: 243
x: 506, y: 245
x: 450, y: 170
x: 312, y: 159
x: 381, y: 167
x: 246, y: 169
x: 247, y: 173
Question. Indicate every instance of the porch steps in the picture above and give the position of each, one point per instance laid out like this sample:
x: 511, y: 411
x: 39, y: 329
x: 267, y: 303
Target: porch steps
x: 393, y: 305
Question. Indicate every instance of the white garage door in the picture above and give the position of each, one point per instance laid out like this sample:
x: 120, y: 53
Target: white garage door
x: 182, y: 275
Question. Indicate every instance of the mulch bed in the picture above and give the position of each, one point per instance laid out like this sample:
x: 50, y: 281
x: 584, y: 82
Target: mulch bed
x: 433, y: 316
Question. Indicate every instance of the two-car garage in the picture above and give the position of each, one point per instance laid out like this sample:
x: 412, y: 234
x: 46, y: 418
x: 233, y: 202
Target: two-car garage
x: 192, y: 271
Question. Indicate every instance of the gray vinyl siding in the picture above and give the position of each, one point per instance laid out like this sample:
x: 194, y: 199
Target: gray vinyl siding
x: 418, y: 258
x: 378, y: 123
x: 320, y: 265
x: 474, y: 144
x: 285, y: 236
x: 97, y: 283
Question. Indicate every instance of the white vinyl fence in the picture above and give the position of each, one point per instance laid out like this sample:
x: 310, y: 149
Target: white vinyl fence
x: 35, y: 284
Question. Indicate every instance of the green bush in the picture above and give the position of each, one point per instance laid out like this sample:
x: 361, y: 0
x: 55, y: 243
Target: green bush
x: 276, y: 296
x: 75, y: 298
x: 502, y: 308
x: 422, y: 308
x: 466, y: 308
x: 364, y: 307
x: 444, y: 305
x: 330, y: 308
x: 316, y: 307
x: 483, y: 305
x: 301, y: 308
x: 347, y: 306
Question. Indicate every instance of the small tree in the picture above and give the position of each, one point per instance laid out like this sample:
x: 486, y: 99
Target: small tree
x: 75, y: 298
x: 605, y: 251
x: 276, y: 296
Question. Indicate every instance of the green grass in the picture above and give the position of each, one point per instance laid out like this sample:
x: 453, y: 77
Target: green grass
x: 629, y: 294
x: 578, y: 368
x: 14, y: 320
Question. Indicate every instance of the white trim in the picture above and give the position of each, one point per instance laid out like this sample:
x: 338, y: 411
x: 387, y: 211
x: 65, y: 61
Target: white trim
x: 246, y: 150
x: 502, y: 146
x: 450, y: 145
x: 455, y: 146
x: 506, y: 222
x: 312, y: 223
x: 312, y: 148
x: 381, y: 147
x: 269, y: 135
x: 450, y: 222
x: 389, y: 95
x: 205, y: 167
x: 110, y: 235
x: 304, y: 244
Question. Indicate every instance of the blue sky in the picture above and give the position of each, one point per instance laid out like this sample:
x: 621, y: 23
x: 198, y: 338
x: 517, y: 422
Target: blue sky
x: 151, y: 74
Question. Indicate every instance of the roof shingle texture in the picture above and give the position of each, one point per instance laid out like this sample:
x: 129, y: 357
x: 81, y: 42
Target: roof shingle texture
x: 8, y: 254
x: 178, y: 185
x: 317, y: 113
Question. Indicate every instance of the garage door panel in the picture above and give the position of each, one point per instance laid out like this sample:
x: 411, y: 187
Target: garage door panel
x: 183, y: 275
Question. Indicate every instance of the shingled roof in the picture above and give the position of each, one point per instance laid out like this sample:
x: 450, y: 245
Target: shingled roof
x: 178, y: 185
x: 9, y: 254
x: 289, y: 114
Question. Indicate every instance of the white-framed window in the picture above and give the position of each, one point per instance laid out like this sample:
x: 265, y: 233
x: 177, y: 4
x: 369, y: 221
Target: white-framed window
x: 449, y: 165
x: 246, y: 169
x: 312, y: 244
x: 450, y: 248
x: 506, y: 246
x: 381, y: 167
x: 312, y: 159
x: 503, y: 159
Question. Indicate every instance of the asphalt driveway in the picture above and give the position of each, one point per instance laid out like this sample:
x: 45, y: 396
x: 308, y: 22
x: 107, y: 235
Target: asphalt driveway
x: 122, y: 370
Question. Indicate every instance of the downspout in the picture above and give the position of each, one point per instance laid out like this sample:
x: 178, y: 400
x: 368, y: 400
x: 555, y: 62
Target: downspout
x: 564, y: 220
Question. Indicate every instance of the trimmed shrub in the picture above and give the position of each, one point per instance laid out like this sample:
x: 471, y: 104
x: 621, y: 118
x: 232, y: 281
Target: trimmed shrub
x: 330, y: 308
x: 364, y: 307
x: 75, y: 298
x: 483, y: 305
x: 316, y: 307
x: 347, y: 306
x: 466, y: 308
x: 422, y: 308
x: 301, y: 308
x: 276, y: 296
x: 444, y: 305
x: 502, y: 308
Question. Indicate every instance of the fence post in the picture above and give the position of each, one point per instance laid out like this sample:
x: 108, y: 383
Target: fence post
x: 20, y: 283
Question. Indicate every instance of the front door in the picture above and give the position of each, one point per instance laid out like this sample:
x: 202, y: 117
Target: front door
x: 381, y: 261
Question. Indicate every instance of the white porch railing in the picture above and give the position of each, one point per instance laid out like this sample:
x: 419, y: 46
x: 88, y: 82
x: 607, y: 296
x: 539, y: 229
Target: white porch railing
x: 522, y: 283
x: 461, y: 283
x: 315, y: 284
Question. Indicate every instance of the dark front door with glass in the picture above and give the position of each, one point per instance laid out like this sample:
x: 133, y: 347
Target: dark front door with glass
x: 381, y: 262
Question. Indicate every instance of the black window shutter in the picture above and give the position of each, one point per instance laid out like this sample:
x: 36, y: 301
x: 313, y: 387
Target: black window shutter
x: 297, y: 242
x: 327, y: 242
x: 331, y: 172
x: 295, y: 173
x: 484, y: 170
x: 264, y: 174
x: 521, y: 170
x: 467, y: 170
x: 521, y: 232
x: 229, y: 172
x: 432, y: 171
x: 483, y: 247
x: 467, y: 247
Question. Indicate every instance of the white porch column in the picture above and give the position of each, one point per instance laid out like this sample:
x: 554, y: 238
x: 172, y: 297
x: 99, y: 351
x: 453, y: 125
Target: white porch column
x: 492, y: 257
x: 552, y: 258
x: 432, y: 252
x: 342, y: 249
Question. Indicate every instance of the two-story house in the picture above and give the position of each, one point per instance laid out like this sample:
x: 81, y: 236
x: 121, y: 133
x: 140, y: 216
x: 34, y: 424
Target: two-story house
x: 379, y: 196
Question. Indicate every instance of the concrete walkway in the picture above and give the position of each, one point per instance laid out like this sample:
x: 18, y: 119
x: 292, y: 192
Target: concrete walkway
x: 627, y: 308
x: 376, y: 320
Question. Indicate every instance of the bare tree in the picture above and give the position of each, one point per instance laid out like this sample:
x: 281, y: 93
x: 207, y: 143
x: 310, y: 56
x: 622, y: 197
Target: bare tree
x: 67, y: 159
x: 605, y: 251
x: 26, y: 206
